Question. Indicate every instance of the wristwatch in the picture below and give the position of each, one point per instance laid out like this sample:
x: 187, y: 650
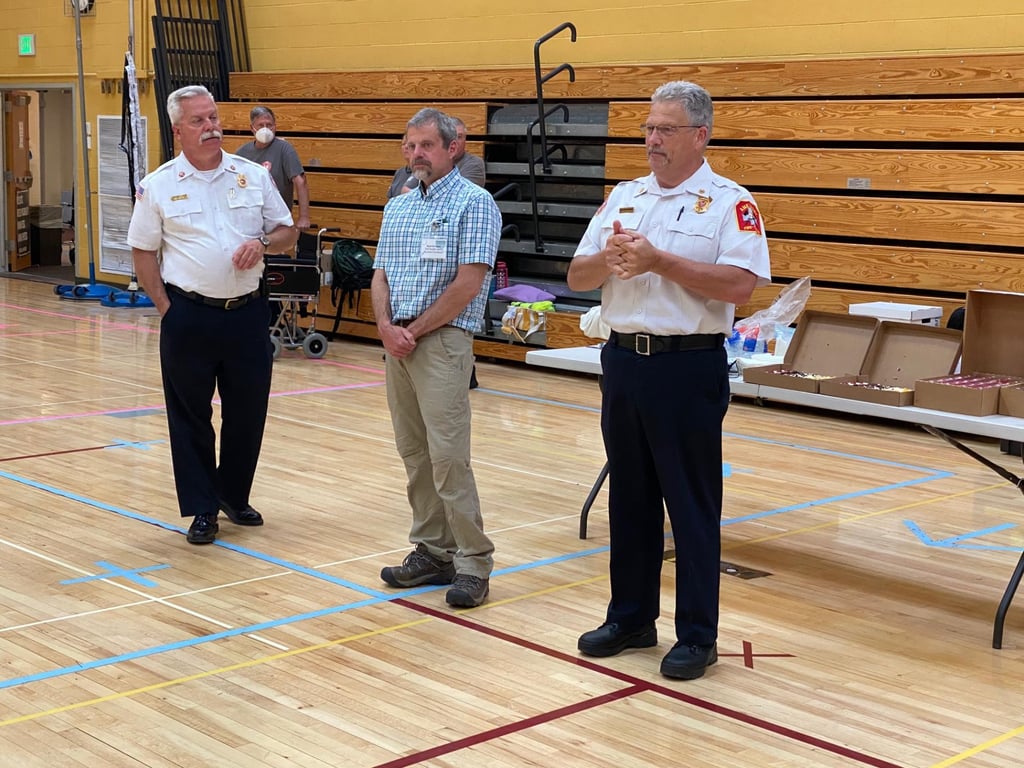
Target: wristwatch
x: 266, y: 241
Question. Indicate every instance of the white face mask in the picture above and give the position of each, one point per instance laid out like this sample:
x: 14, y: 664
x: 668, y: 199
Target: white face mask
x: 264, y: 135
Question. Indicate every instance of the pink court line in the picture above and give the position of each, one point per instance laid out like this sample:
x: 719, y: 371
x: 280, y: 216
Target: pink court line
x: 636, y: 686
x: 48, y: 333
x: 78, y: 318
x: 363, y: 368
x: 160, y: 407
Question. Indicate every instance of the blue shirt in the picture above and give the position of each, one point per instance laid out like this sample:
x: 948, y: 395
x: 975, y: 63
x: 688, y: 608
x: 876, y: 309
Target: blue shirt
x: 453, y: 212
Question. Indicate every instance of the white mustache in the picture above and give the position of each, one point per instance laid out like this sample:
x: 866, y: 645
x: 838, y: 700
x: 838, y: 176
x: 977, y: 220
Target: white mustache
x: 211, y: 135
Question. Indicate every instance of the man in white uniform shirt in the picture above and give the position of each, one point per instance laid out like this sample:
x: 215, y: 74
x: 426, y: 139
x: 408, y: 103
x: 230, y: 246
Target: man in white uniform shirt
x: 673, y: 253
x: 200, y: 228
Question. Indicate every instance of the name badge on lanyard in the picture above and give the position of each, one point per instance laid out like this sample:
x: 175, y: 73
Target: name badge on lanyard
x: 434, y: 246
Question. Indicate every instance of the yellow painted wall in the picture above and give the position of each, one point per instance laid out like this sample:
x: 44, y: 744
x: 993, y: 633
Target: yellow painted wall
x: 104, y: 42
x: 405, y: 34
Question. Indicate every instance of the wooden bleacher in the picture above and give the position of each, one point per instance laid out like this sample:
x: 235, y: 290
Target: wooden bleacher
x: 892, y: 179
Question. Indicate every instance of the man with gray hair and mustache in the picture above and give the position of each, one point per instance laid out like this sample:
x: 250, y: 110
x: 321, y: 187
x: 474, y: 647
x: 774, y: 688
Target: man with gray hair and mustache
x: 199, y: 231
x: 673, y: 253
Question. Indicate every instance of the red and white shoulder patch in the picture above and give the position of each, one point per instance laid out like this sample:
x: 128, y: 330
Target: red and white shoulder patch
x: 748, y: 219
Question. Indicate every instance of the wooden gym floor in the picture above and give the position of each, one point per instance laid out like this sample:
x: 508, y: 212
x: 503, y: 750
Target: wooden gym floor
x: 867, y: 562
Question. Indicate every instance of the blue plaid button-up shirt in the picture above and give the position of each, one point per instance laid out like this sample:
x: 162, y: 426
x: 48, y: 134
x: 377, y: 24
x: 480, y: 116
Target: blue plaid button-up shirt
x: 460, y: 214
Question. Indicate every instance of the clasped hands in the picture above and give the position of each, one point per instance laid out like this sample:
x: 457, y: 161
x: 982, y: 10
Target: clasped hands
x: 398, y: 342
x: 628, y: 253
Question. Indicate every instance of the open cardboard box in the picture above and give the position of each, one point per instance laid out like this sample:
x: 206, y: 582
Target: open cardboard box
x: 900, y: 354
x: 825, y: 345
x: 993, y: 344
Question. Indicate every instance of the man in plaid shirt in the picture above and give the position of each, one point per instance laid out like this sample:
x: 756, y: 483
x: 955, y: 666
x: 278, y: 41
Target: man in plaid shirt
x: 437, y: 245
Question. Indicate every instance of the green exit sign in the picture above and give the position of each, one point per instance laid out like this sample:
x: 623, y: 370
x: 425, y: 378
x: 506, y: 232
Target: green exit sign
x: 26, y: 45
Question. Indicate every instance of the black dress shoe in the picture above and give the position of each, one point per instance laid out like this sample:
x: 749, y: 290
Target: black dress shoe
x: 246, y: 516
x: 203, y: 529
x: 610, y: 639
x: 688, y: 662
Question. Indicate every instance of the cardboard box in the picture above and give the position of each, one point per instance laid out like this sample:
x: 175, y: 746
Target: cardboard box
x: 825, y: 345
x: 992, y: 345
x: 975, y: 394
x: 1011, y: 401
x: 900, y: 354
x: 904, y: 313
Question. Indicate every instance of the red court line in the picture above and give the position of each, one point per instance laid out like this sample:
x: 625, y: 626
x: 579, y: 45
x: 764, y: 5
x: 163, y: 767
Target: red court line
x: 636, y: 686
x: 504, y: 730
x: 56, y: 453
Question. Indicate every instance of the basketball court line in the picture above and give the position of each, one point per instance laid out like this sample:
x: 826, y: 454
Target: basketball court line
x: 402, y: 599
x: 648, y: 686
x: 373, y: 596
x: 161, y: 407
x: 151, y: 599
x: 96, y: 321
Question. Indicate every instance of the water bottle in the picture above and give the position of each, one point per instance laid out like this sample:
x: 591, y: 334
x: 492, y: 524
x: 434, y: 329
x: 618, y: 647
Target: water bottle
x: 734, y: 345
x: 500, y: 275
x: 750, y: 342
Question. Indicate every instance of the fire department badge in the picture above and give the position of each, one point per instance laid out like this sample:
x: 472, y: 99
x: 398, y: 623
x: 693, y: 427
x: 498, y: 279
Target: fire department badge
x: 242, y: 181
x: 747, y: 217
x: 701, y: 206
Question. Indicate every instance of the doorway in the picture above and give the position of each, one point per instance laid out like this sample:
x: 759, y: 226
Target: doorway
x: 37, y: 237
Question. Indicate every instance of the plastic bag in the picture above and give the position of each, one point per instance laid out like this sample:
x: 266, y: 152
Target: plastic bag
x: 593, y: 326
x: 520, y: 321
x: 750, y: 335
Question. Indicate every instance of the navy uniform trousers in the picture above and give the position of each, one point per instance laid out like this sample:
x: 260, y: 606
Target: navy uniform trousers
x: 661, y: 420
x: 202, y: 348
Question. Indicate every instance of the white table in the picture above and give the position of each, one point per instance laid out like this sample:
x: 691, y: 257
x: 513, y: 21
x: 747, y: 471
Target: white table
x: 588, y: 360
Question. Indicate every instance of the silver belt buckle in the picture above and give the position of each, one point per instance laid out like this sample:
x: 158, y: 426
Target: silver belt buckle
x: 228, y: 303
x: 642, y: 345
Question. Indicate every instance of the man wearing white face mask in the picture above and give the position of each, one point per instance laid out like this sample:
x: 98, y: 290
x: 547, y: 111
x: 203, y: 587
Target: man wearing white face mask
x: 280, y: 158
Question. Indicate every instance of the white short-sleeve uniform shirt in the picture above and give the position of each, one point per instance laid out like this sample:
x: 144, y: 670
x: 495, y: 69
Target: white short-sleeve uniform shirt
x: 707, y: 218
x: 198, y: 219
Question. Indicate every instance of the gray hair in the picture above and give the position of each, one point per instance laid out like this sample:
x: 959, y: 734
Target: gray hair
x: 445, y: 124
x: 183, y: 94
x: 694, y: 100
x: 258, y: 112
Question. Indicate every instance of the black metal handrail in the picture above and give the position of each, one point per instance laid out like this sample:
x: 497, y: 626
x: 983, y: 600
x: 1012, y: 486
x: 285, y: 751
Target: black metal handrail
x: 541, y: 79
x: 531, y: 165
x: 512, y: 188
x: 541, y: 124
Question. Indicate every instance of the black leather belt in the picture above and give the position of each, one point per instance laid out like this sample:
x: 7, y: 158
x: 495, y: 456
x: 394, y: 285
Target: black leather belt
x: 405, y: 322
x: 646, y: 344
x: 236, y: 302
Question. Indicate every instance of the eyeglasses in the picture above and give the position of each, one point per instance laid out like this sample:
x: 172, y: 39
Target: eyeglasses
x: 665, y: 131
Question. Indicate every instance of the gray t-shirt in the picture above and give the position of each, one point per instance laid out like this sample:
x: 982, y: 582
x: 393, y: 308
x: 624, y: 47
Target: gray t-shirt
x: 280, y: 158
x: 403, y: 177
x: 472, y: 168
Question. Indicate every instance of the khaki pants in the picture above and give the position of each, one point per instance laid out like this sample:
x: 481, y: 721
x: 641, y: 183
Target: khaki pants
x: 428, y: 394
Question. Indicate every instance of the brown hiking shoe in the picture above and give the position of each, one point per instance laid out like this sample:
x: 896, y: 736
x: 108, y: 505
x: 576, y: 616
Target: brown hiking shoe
x: 467, y: 591
x: 419, y: 567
